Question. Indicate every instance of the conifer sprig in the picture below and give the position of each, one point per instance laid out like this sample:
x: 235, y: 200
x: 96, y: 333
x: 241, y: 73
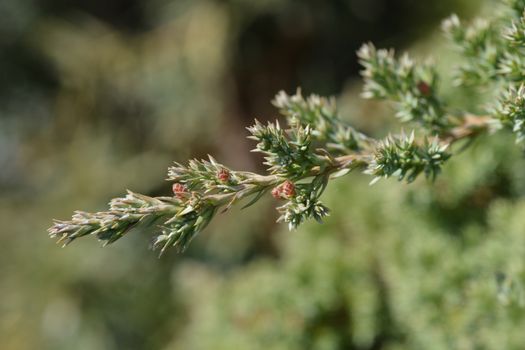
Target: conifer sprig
x: 405, y: 159
x: 493, y: 48
x: 123, y: 214
x: 509, y: 111
x: 315, y: 145
x: 320, y: 115
x: 204, y: 188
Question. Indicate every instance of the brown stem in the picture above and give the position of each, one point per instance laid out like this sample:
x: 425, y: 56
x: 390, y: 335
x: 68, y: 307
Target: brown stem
x: 471, y: 126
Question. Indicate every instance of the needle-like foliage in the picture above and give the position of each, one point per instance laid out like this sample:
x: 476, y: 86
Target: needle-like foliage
x: 313, y: 145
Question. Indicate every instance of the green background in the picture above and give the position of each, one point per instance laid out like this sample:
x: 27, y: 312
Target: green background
x: 101, y: 96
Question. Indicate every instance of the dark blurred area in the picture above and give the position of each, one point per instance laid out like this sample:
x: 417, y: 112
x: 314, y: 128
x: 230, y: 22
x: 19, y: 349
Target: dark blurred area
x: 99, y: 51
x: 100, y: 96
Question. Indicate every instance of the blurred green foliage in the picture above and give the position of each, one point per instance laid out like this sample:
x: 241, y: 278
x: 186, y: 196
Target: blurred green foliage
x: 98, y: 97
x: 396, y: 267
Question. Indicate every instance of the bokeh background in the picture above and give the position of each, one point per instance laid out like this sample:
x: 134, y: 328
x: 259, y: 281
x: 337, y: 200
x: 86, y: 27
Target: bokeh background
x: 101, y: 96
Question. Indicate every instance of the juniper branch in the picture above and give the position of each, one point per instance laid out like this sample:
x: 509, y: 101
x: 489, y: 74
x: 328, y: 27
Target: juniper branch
x: 316, y: 146
x: 208, y: 187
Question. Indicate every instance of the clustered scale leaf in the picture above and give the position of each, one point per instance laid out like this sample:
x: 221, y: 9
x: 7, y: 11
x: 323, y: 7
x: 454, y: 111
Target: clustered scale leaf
x: 305, y: 204
x: 202, y: 175
x: 479, y: 43
x: 287, y: 152
x: 413, y: 87
x: 123, y: 214
x: 320, y: 114
x: 182, y: 228
x: 493, y: 48
x: 403, y: 158
x: 509, y: 111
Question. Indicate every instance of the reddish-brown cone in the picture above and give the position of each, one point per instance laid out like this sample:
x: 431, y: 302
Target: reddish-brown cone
x: 179, y: 190
x: 288, y: 189
x: 276, y: 192
x: 424, y: 88
x: 223, y: 175
x: 284, y: 191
